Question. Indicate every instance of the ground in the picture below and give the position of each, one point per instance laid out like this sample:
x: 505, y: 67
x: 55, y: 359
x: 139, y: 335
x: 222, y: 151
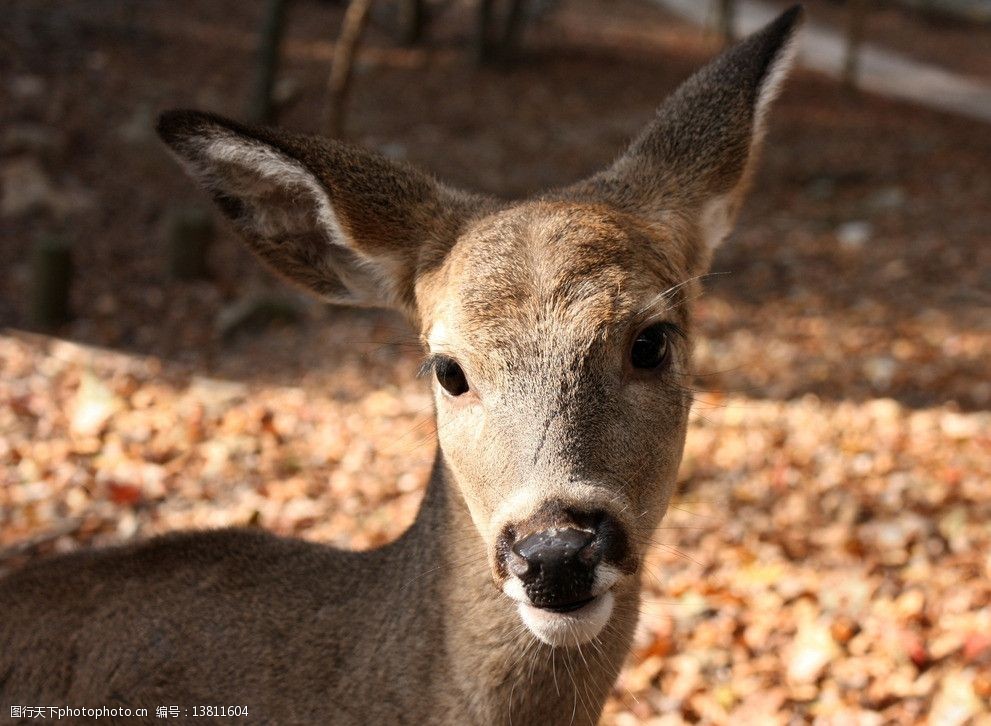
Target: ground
x: 829, y: 556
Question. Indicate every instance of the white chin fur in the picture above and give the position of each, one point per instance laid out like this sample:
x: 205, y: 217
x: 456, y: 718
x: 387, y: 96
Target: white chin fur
x: 574, y: 628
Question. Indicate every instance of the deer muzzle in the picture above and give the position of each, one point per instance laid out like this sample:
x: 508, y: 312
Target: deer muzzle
x: 561, y: 569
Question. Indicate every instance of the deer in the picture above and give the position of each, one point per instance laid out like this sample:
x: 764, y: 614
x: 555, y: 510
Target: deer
x: 557, y: 333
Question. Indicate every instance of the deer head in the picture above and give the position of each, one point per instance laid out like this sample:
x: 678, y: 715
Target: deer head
x: 557, y: 329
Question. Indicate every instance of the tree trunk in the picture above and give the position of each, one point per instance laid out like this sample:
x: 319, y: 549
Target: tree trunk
x: 856, y: 22
x: 412, y: 20
x: 515, y: 21
x: 355, y: 20
x: 190, y: 233
x: 484, y: 45
x: 52, y: 280
x: 260, y: 109
x: 726, y: 19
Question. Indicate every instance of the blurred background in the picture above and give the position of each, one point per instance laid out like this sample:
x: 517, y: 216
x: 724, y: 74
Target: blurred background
x: 828, y: 559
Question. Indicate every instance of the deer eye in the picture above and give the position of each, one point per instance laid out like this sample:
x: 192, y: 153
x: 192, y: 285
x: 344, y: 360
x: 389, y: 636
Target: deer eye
x: 450, y: 376
x: 651, y: 348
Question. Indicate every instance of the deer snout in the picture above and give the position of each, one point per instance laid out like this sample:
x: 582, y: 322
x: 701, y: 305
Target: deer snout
x: 560, y: 565
x: 561, y: 558
x: 557, y: 567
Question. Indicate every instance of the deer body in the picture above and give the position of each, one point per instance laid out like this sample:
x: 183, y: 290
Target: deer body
x: 558, y: 332
x: 299, y: 607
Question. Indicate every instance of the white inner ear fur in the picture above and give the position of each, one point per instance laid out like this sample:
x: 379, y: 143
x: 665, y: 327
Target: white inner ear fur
x: 268, y: 167
x: 716, y: 220
x: 719, y: 213
x: 247, y: 169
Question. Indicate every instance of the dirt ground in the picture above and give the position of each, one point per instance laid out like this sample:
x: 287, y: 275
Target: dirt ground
x: 829, y: 557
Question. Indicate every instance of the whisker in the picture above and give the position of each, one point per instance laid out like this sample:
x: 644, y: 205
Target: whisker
x: 671, y: 290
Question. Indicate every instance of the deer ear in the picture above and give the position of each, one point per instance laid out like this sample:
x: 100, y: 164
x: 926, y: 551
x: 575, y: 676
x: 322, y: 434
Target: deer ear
x: 699, y: 151
x: 347, y: 224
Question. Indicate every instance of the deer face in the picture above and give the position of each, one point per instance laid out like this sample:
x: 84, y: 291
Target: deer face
x: 556, y: 330
x: 557, y: 336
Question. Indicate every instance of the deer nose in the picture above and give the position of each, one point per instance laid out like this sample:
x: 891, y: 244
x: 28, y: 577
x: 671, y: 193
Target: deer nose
x: 551, y: 550
x: 557, y: 567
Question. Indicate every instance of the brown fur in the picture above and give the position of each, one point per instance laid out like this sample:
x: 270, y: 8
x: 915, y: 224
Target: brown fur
x: 539, y: 302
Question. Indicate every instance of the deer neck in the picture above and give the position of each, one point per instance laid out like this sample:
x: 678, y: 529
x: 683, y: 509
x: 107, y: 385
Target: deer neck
x: 496, y: 671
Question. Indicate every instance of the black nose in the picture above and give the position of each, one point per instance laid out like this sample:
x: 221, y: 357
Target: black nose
x: 557, y: 567
x: 553, y: 549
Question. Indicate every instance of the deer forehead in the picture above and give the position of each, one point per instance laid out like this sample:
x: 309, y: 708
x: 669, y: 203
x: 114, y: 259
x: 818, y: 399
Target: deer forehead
x: 566, y: 274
